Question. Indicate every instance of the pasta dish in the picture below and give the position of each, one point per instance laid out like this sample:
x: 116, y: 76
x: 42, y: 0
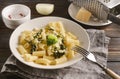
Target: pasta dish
x: 50, y: 45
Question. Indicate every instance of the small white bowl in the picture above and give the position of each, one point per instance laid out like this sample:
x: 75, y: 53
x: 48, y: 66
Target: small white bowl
x: 69, y: 26
x: 16, y: 14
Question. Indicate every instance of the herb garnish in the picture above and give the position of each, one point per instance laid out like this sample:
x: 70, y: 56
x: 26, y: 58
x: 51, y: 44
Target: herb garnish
x: 37, y: 34
x: 58, y: 54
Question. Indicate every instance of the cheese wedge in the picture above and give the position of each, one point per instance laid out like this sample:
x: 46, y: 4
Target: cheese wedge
x: 83, y: 15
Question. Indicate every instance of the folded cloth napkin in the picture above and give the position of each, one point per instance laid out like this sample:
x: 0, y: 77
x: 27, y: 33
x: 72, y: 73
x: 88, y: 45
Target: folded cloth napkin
x: 83, y: 69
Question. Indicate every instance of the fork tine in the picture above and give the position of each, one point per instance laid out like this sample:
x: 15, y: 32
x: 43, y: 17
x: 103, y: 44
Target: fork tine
x: 81, y: 50
x: 80, y: 53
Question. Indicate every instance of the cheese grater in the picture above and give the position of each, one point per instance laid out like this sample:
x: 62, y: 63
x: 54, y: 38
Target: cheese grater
x: 110, y: 3
x: 100, y: 8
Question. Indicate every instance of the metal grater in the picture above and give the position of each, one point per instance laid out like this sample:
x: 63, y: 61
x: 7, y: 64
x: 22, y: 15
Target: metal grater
x: 110, y: 3
x: 99, y: 8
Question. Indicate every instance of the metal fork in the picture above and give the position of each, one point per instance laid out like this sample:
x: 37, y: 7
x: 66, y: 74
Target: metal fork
x: 88, y: 55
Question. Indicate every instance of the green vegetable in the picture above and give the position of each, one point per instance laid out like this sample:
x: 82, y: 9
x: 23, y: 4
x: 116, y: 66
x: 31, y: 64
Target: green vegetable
x: 33, y: 46
x: 62, y: 47
x: 37, y: 34
x: 51, y: 39
x: 58, y: 54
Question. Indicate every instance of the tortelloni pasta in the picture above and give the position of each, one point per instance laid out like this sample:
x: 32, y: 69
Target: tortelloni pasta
x: 50, y: 45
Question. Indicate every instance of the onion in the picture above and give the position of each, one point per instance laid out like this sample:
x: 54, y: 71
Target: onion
x: 45, y: 9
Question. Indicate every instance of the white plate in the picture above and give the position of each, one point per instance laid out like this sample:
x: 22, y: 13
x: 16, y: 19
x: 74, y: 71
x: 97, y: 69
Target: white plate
x: 73, y: 9
x: 69, y: 25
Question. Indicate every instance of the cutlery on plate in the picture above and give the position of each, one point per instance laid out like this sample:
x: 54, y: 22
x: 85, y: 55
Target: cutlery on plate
x: 88, y: 55
x: 100, y: 8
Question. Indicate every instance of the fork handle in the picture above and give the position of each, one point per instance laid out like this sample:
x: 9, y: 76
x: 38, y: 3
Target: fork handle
x: 112, y: 73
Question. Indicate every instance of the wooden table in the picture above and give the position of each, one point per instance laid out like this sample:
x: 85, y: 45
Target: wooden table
x: 61, y: 7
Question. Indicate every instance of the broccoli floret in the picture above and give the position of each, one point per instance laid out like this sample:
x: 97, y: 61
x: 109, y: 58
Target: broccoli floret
x: 51, y: 39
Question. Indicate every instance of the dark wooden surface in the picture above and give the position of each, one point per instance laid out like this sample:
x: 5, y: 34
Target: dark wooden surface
x: 61, y: 7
